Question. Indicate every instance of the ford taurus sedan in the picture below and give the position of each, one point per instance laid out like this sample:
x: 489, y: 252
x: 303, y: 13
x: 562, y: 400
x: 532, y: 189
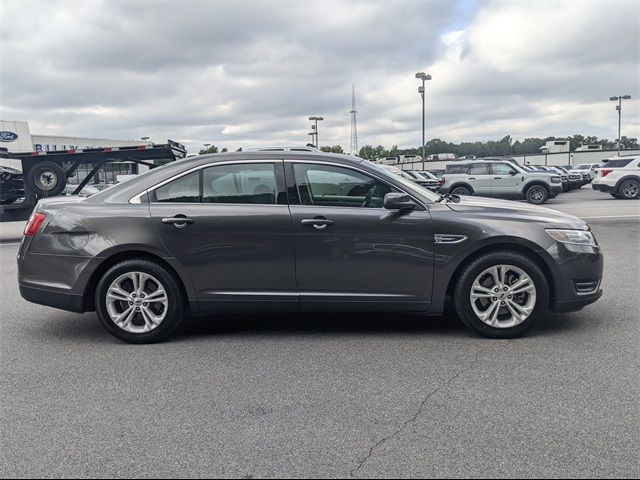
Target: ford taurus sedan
x: 288, y: 231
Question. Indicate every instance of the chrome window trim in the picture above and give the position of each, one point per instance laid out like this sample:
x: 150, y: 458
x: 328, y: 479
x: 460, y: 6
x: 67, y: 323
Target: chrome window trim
x: 364, y: 172
x: 137, y: 198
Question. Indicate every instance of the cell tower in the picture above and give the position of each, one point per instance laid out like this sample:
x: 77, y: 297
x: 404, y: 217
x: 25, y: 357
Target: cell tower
x: 353, y: 146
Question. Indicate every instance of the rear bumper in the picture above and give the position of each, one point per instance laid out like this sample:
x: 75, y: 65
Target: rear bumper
x: 53, y: 298
x: 601, y: 187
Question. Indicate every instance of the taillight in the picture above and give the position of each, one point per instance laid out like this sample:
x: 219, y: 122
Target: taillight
x: 606, y: 171
x: 33, y: 225
x: 441, y: 181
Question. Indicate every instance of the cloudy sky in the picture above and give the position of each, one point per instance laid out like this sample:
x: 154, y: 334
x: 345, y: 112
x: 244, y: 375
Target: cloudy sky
x: 240, y: 73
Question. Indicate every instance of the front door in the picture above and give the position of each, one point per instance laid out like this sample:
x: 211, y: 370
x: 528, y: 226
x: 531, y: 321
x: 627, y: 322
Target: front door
x: 479, y: 177
x: 506, y: 180
x: 229, y: 225
x: 350, y: 251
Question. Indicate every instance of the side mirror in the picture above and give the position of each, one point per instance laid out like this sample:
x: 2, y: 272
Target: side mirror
x: 398, y: 201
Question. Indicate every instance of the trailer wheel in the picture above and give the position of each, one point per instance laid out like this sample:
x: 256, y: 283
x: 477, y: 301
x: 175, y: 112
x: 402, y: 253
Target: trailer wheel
x: 47, y: 179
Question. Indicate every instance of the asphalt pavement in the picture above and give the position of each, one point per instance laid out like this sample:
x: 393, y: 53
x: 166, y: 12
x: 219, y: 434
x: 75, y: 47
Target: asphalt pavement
x: 331, y: 395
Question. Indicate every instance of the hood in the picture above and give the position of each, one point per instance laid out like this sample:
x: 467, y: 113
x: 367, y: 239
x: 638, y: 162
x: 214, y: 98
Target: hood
x: 482, y: 207
x: 10, y: 170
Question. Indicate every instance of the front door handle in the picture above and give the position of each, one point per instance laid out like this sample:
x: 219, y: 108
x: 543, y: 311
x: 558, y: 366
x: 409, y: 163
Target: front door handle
x: 178, y: 221
x: 497, y: 178
x: 472, y: 178
x: 319, y: 223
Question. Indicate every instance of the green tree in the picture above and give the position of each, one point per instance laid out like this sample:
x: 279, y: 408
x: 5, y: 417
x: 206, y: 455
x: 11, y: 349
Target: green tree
x: 334, y: 149
x: 211, y: 149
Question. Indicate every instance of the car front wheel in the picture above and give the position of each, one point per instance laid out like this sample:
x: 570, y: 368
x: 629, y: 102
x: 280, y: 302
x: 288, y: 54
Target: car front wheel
x: 537, y: 194
x: 501, y: 295
x: 139, y: 301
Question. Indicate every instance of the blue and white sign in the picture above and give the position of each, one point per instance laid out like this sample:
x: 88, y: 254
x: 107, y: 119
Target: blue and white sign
x: 6, y: 136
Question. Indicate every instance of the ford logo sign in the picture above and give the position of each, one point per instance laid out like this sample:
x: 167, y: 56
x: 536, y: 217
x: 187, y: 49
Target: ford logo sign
x: 8, y: 136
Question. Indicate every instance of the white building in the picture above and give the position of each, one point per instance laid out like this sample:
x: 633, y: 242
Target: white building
x: 16, y: 137
x: 556, y: 146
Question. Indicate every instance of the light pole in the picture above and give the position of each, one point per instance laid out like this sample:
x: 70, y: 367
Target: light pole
x: 421, y: 90
x: 315, y: 128
x: 619, y: 109
x: 144, y: 139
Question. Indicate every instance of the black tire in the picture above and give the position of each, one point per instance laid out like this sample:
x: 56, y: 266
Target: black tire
x: 629, y: 189
x: 47, y: 179
x: 461, y: 190
x: 175, y: 310
x: 537, y: 194
x: 475, y: 268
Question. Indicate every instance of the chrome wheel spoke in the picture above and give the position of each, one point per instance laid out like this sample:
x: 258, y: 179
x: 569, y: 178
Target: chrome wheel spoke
x: 136, y: 315
x: 498, y: 306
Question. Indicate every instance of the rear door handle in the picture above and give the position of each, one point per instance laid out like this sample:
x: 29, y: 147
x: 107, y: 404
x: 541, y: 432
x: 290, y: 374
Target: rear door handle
x: 472, y: 178
x: 178, y: 221
x: 319, y: 223
x: 497, y: 178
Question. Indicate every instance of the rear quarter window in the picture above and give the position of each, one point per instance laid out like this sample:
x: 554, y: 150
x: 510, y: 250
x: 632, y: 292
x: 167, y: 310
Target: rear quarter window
x: 618, y: 163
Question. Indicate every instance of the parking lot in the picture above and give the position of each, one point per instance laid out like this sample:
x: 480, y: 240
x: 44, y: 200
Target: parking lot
x: 332, y: 395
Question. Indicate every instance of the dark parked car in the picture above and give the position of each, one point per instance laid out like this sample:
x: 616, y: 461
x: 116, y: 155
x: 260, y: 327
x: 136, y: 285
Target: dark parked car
x: 259, y: 231
x: 11, y: 185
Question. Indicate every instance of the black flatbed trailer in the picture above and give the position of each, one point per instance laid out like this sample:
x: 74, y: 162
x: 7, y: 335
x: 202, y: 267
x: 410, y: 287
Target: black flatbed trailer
x: 70, y: 160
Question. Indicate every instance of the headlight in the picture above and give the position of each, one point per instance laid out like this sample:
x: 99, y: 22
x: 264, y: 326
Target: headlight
x: 556, y: 180
x: 574, y: 237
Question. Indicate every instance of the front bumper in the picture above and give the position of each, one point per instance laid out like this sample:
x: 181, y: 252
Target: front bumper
x: 577, y: 276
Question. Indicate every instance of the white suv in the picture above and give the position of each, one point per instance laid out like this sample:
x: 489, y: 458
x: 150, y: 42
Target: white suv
x: 619, y: 176
x: 588, y: 167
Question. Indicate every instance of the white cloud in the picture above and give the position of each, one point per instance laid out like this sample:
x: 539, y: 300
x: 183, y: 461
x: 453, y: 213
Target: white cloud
x: 246, y: 74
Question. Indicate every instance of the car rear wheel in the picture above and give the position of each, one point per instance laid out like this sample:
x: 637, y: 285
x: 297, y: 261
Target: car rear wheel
x: 139, y: 301
x: 629, y: 189
x: 537, y: 194
x: 460, y: 191
x: 501, y: 295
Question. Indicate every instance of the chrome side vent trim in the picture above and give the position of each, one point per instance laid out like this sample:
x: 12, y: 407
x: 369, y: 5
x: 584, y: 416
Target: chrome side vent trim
x: 449, y: 239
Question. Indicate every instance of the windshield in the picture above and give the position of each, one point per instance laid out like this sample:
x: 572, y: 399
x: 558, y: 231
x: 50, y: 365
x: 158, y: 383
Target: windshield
x: 582, y: 167
x: 411, y: 186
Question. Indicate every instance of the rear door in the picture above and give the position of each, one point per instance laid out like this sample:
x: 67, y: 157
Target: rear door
x: 230, y: 227
x: 350, y: 250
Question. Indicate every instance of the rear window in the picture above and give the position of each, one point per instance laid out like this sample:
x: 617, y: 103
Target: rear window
x: 457, y: 169
x: 623, y: 162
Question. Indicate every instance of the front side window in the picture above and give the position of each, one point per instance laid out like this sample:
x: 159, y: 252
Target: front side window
x: 502, y: 169
x: 242, y: 183
x: 327, y: 185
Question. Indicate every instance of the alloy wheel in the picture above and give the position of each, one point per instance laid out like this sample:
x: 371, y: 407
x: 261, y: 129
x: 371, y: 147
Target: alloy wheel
x: 137, y: 302
x: 503, y: 296
x: 630, y: 189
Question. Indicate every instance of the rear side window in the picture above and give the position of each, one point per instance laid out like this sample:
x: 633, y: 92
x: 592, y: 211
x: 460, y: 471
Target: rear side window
x: 243, y: 183
x: 456, y: 169
x: 253, y: 184
x: 618, y: 163
x: 183, y: 190
x: 479, y: 169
